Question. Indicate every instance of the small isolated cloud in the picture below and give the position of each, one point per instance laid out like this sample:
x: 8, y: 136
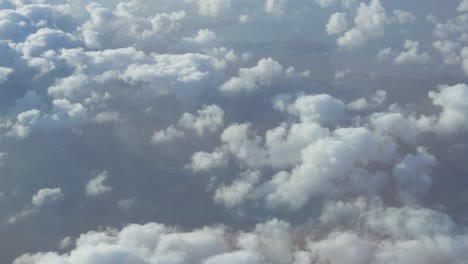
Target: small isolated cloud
x: 47, y: 196
x: 97, y: 185
x: 4, y: 73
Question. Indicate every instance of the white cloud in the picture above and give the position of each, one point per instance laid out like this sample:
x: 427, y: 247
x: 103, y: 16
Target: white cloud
x: 449, y: 51
x: 251, y: 79
x: 452, y: 99
x: 209, y: 119
x: 123, y: 26
x: 337, y: 23
x: 4, y: 73
x: 244, y: 145
x: 97, y: 186
x: 47, y: 196
x: 412, y: 55
x: 321, y: 108
x: 369, y: 24
x: 463, y: 7
x: 170, y: 134
x: 204, y: 161
x: 403, y: 16
x: 325, y: 161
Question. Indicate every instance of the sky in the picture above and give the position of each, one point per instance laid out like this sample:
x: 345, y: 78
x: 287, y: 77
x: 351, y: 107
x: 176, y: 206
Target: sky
x: 233, y: 131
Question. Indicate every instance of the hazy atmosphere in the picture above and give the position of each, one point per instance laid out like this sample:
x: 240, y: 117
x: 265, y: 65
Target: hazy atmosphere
x: 234, y: 132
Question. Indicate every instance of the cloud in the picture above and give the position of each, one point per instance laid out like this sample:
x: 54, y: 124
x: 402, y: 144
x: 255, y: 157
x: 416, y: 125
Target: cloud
x: 276, y: 7
x: 204, y: 161
x: 449, y: 50
x: 412, y: 55
x: 168, y: 135
x: 46, y: 196
x: 463, y: 7
x: 325, y: 3
x: 96, y: 186
x: 213, y: 8
x: 208, y: 120
x: 4, y: 73
x: 362, y: 160
x: 263, y: 74
x: 369, y: 23
x: 452, y: 99
x: 413, y: 175
x: 337, y: 23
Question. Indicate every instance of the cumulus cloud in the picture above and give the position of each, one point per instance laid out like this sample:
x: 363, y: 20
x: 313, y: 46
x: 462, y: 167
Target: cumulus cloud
x: 4, y: 73
x: 463, y: 7
x: 337, y: 23
x: 252, y: 79
x: 201, y: 120
x: 412, y: 55
x: 207, y: 120
x: 97, y: 186
x: 452, y: 99
x: 168, y: 135
x: 369, y: 23
x: 47, y: 195
x: 204, y: 161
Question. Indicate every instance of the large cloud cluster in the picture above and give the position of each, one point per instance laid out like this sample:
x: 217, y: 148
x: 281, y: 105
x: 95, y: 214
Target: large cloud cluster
x: 269, y: 131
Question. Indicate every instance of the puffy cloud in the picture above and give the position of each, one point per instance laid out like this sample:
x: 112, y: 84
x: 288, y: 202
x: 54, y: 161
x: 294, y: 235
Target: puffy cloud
x: 204, y: 161
x: 170, y: 134
x: 403, y: 16
x: 123, y: 26
x: 208, y: 120
x: 412, y: 55
x: 463, y: 7
x: 4, y: 73
x: 251, y: 79
x: 337, y: 23
x: 369, y: 23
x: 263, y: 74
x: 329, y: 159
x: 453, y: 100
x: 362, y: 103
x: 449, y: 50
x: 46, y: 196
x: 321, y: 108
x: 97, y: 186
x: 244, y: 145
x: 46, y: 39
